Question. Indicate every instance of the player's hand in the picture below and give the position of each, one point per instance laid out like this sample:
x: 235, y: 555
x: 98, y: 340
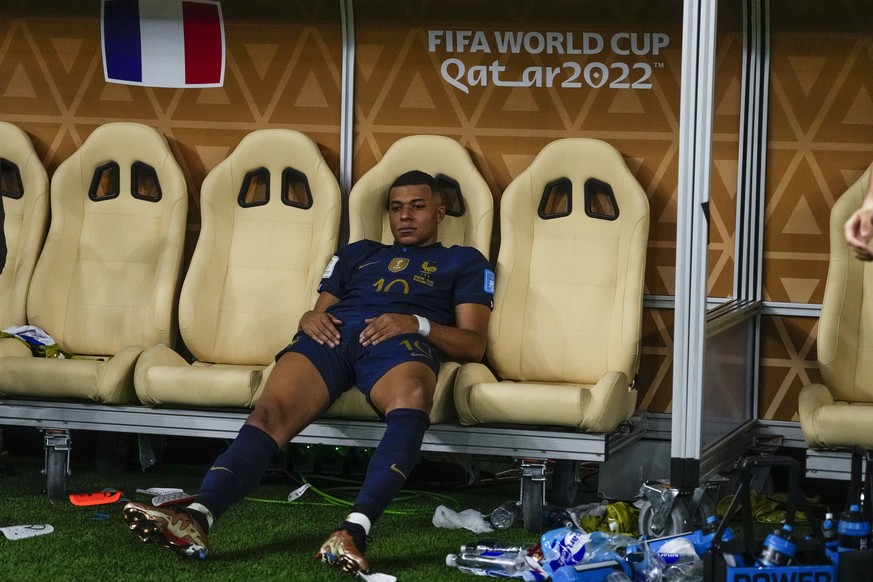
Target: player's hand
x: 387, y: 326
x: 321, y: 327
x: 858, y: 231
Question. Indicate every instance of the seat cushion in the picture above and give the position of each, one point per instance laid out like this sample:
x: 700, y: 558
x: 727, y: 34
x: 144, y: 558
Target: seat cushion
x: 108, y: 380
x: 828, y: 423
x: 564, y: 336
x: 838, y: 412
x: 106, y: 282
x: 163, y: 377
x: 596, y: 408
x: 353, y: 404
x: 270, y: 216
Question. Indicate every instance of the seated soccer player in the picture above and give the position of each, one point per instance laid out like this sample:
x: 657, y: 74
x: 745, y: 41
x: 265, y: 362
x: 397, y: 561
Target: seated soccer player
x: 384, y: 317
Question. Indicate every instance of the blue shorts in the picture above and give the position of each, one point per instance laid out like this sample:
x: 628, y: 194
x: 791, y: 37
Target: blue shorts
x: 351, y: 364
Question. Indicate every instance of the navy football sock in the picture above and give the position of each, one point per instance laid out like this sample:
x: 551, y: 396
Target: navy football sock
x: 238, y: 470
x: 393, y: 461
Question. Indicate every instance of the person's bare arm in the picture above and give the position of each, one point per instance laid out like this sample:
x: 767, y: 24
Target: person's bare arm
x: 465, y: 341
x: 320, y: 325
x: 858, y: 230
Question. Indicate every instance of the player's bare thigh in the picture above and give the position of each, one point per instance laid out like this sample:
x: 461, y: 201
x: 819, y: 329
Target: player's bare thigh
x: 295, y: 395
x: 407, y: 385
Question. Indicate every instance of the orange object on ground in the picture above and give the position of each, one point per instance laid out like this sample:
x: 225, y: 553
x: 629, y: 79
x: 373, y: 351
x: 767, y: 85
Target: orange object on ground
x: 101, y: 498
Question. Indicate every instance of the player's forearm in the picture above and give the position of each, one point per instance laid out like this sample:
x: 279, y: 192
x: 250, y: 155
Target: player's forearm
x: 324, y: 301
x: 457, y: 344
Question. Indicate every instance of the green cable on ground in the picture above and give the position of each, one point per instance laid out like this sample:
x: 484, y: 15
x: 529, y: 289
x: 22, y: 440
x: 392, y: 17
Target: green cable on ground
x: 408, y: 494
x: 284, y: 502
x: 313, y: 503
x: 345, y: 503
x: 334, y: 500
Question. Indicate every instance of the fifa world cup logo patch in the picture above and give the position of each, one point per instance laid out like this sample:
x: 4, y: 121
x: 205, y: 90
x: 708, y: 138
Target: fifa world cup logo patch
x: 397, y: 265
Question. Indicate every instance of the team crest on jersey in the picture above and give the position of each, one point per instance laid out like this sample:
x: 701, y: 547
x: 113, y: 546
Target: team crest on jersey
x: 424, y: 277
x: 398, y: 264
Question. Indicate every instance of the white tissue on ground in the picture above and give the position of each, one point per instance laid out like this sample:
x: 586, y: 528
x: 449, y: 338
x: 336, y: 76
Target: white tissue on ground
x: 377, y: 577
x: 468, y: 519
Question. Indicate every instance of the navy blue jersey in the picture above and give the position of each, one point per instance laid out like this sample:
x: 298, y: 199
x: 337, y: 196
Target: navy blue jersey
x: 371, y: 278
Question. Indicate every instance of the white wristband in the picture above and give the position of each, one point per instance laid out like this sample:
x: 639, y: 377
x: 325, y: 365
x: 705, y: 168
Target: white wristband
x: 423, y: 325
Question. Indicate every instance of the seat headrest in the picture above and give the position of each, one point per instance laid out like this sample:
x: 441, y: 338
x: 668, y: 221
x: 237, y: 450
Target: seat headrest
x: 574, y: 232
x: 15, y: 144
x: 108, y: 274
x: 439, y: 156
x: 579, y: 160
x: 273, y: 148
x: 124, y: 143
x: 270, y: 215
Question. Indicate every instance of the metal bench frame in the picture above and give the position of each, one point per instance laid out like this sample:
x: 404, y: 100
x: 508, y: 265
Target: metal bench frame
x: 57, y: 419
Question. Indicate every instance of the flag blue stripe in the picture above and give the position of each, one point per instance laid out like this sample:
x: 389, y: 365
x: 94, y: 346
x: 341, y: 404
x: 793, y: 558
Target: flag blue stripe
x: 122, y: 43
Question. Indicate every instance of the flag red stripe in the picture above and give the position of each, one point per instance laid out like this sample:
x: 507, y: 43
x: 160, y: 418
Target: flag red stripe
x: 203, y: 43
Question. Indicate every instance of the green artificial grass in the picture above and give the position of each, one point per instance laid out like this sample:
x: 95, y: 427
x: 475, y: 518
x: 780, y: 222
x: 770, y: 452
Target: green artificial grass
x: 255, y: 540
x: 262, y: 537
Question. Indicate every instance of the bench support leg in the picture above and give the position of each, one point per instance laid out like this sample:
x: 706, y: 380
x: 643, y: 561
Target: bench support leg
x: 669, y: 510
x: 57, y: 447
x: 533, y: 494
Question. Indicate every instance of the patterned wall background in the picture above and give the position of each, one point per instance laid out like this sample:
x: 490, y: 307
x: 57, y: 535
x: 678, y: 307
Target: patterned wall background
x: 401, y: 90
x: 284, y: 70
x: 820, y: 142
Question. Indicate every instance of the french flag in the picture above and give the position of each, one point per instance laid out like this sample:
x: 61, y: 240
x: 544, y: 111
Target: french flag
x: 163, y: 43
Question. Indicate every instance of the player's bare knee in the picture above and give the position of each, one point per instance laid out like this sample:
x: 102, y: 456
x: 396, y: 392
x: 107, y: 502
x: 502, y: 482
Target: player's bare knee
x: 418, y: 394
x: 273, y: 417
x: 263, y: 417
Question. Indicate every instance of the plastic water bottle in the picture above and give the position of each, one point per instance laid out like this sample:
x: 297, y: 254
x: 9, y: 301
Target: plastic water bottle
x: 829, y: 532
x: 732, y: 560
x: 504, y: 516
x: 830, y: 537
x: 495, y: 546
x: 559, y: 518
x: 778, y: 548
x: 587, y: 572
x: 563, y: 547
x: 853, y: 530
x: 702, y: 540
x: 485, y: 561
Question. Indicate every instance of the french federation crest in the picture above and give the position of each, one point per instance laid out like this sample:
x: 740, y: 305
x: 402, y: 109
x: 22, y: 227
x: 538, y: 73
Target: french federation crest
x: 398, y: 264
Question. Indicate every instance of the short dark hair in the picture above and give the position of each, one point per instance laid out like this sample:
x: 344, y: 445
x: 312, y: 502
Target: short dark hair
x: 415, y: 178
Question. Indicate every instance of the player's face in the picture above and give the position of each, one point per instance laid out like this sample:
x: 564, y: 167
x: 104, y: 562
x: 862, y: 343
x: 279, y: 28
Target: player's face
x: 414, y: 213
